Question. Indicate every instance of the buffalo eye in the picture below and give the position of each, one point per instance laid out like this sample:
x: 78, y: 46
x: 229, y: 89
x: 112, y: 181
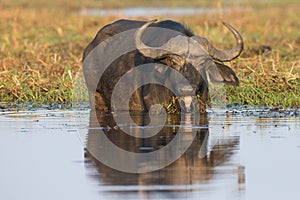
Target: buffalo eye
x: 173, y: 62
x: 176, y: 60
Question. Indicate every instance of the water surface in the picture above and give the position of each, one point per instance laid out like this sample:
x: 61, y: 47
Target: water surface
x: 155, y: 11
x: 43, y: 157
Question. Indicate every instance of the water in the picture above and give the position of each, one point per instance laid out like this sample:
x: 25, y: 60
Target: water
x: 233, y: 156
x: 155, y: 11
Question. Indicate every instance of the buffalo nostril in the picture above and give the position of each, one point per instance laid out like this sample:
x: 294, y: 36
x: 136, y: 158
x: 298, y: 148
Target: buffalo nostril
x: 186, y: 103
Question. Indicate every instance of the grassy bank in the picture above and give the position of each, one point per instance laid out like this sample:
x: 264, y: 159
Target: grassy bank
x: 41, y: 46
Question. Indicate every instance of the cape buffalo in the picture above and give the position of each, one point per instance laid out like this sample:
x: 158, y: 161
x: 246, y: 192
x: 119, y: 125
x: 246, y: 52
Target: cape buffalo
x: 125, y: 44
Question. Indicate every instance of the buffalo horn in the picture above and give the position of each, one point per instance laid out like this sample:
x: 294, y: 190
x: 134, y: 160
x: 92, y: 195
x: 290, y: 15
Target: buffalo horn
x: 226, y: 55
x: 151, y: 52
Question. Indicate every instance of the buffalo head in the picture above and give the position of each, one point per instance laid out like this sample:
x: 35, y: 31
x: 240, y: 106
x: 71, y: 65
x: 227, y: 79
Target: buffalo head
x: 195, y: 58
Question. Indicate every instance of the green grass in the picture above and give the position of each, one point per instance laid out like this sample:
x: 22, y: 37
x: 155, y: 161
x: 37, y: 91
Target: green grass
x: 41, y: 45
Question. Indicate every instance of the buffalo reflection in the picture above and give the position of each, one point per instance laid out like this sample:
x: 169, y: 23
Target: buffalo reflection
x: 195, y: 166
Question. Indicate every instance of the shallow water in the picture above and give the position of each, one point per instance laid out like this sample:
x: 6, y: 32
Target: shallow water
x: 233, y: 156
x: 155, y: 11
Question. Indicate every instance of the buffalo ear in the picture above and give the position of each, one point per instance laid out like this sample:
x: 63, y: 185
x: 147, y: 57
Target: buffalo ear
x: 219, y: 73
